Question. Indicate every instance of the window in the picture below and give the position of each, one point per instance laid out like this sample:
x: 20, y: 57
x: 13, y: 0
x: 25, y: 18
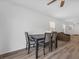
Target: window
x: 64, y: 27
x: 52, y: 26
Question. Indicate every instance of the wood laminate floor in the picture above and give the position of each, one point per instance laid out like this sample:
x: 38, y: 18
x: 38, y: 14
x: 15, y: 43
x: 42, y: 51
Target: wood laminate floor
x: 24, y: 55
x: 69, y: 51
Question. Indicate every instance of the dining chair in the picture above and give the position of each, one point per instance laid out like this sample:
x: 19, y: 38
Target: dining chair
x: 54, y: 40
x: 29, y: 42
x: 48, y: 39
x: 45, y: 41
x: 40, y: 41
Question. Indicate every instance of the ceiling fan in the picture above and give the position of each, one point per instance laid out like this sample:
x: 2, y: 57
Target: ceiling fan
x: 61, y: 2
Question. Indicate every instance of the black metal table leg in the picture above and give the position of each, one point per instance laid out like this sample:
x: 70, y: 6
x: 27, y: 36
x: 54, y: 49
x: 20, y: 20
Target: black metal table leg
x: 44, y: 47
x: 28, y: 47
x: 56, y: 43
x: 51, y: 45
x: 36, y: 49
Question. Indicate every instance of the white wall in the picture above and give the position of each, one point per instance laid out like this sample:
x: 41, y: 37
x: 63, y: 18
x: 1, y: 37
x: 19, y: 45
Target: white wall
x: 76, y: 29
x: 15, y: 20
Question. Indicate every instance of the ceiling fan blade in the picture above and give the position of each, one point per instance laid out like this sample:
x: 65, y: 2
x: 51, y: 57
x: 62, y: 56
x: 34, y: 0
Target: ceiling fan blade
x: 62, y: 3
x: 51, y: 2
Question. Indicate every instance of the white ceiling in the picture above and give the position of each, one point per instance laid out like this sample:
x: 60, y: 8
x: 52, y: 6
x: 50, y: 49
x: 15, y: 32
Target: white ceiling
x: 69, y: 13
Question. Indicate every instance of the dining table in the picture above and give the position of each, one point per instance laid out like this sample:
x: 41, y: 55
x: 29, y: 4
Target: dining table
x: 39, y: 37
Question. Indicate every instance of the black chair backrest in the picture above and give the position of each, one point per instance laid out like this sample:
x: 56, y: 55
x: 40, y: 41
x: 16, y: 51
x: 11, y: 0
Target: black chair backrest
x: 54, y: 36
x: 47, y: 37
x: 26, y: 36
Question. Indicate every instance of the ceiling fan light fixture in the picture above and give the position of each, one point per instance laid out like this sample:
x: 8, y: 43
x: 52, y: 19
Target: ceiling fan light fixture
x: 51, y: 2
x: 62, y: 3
